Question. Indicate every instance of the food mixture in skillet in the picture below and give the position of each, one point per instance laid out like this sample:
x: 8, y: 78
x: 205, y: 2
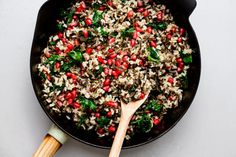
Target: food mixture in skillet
x: 108, y: 51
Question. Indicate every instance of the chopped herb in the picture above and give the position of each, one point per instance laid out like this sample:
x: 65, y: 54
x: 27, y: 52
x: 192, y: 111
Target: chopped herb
x: 188, y: 59
x: 96, y: 18
x: 128, y: 32
x: 96, y: 5
x: 154, y: 106
x: 184, y: 81
x: 82, y: 120
x: 52, y: 59
x: 158, y: 26
x: 114, y: 34
x: 70, y: 15
x: 60, y: 27
x: 76, y: 55
x: 99, y: 71
x: 144, y: 123
x: 67, y: 65
x: 103, y: 121
x: 42, y: 75
x: 87, y: 104
x: 153, y: 56
x: 51, y: 43
x: 103, y: 33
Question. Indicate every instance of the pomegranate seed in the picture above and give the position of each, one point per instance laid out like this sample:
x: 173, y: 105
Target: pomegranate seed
x: 109, y: 114
x: 130, y: 13
x: 100, y: 60
x: 170, y: 80
x: 110, y: 50
x: 179, y: 60
x: 79, y: 9
x: 169, y: 36
x: 135, y: 35
x: 48, y: 77
x: 74, y: 93
x: 133, y: 57
x: 159, y: 16
x: 179, y: 40
x: 132, y: 42
x: 85, y: 33
x: 153, y: 44
x: 110, y: 3
x: 59, y: 103
x: 112, y: 103
x: 57, y: 65
x: 156, y: 121
x: 106, y: 70
x: 100, y: 131
x: 149, y: 30
x: 106, y: 88
x: 125, y: 58
x: 118, y: 71
x: 64, y: 40
x: 73, y: 76
x: 111, y: 40
x: 109, y: 61
x: 181, y: 31
x: 118, y: 63
x: 97, y: 115
x: 173, y: 29
x: 60, y: 35
x: 112, y: 56
x: 114, y: 73
x: 70, y: 101
x: 75, y: 17
x: 138, y: 29
x: 111, y: 129
x: 99, y: 47
x: 68, y: 74
x: 179, y: 69
x: 142, y: 96
x: 70, y: 46
x: 102, y: 8
x: 126, y: 65
x: 88, y: 21
x: 106, y: 82
x: 136, y: 24
x: 123, y: 53
x: 145, y: 13
x: 141, y: 62
x: 89, y: 50
x: 68, y: 96
x: 82, y: 5
x: 181, y: 64
x: 76, y: 105
x: 139, y: 3
x: 140, y: 10
x: 76, y: 42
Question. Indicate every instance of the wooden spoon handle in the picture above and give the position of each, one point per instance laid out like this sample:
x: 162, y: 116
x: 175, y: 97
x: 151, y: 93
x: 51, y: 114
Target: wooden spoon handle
x: 48, y: 147
x: 119, y: 137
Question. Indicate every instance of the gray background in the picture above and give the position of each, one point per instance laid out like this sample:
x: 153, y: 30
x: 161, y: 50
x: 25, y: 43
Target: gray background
x: 208, y: 129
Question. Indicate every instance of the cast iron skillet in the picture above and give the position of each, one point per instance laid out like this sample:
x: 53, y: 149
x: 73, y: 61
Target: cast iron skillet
x: 46, y: 25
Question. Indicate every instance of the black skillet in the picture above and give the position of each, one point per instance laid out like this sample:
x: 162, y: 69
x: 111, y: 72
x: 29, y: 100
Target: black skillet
x: 46, y: 25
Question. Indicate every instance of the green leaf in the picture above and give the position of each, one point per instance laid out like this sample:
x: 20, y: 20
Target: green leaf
x: 82, y: 120
x: 154, y: 106
x: 188, y: 59
x: 67, y: 65
x: 76, y: 55
x: 51, y: 43
x: 96, y: 6
x: 53, y: 58
x: 42, y: 75
x: 87, y: 104
x: 96, y: 18
x: 60, y: 27
x: 99, y: 71
x: 144, y: 123
x: 128, y: 32
x: 70, y: 15
x: 153, y: 55
x: 103, y: 121
x: 114, y: 34
x: 158, y: 26
x: 184, y: 82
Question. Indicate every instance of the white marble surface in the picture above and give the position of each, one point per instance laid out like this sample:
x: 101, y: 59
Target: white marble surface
x: 208, y: 129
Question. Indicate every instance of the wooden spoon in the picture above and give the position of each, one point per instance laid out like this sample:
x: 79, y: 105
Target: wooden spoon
x: 127, y: 111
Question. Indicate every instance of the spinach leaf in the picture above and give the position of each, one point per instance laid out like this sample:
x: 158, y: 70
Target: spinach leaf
x: 153, y: 55
x: 103, y: 121
x: 60, y: 27
x: 128, y: 32
x: 82, y: 120
x: 87, y: 104
x: 52, y: 59
x: 154, y: 106
x: 184, y: 81
x: 99, y: 71
x: 67, y: 65
x: 42, y: 75
x: 158, y: 26
x: 96, y: 6
x: 96, y: 18
x: 76, y: 55
x: 144, y: 123
x: 188, y: 59
x: 51, y: 43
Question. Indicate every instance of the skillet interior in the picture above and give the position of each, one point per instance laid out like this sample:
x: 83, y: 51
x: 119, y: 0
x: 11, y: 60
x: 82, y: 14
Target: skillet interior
x: 46, y: 25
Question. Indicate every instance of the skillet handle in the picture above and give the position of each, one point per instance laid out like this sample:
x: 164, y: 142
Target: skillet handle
x: 51, y: 143
x: 187, y: 6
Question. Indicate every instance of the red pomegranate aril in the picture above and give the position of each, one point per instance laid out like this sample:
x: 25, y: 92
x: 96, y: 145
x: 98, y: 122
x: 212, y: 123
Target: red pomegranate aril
x: 82, y: 5
x: 125, y: 58
x: 173, y: 29
x: 149, y: 30
x: 110, y: 50
x: 109, y: 114
x: 179, y: 60
x: 126, y: 65
x: 79, y: 9
x: 68, y: 74
x: 88, y: 21
x: 106, y: 70
x: 140, y: 10
x: 114, y: 73
x: 48, y: 77
x: 85, y: 32
x: 145, y: 13
x: 97, y: 115
x: 57, y: 65
x: 181, y: 64
x: 142, y: 96
x: 136, y: 24
x: 139, y: 3
x: 111, y: 129
x: 112, y: 103
x: 132, y: 42
x: 112, y: 56
x: 160, y: 16
x: 73, y: 93
x: 100, y: 131
x: 156, y: 121
x: 111, y: 40
x: 109, y: 61
x: 76, y: 105
x: 118, y: 63
x: 68, y: 96
x: 102, y: 8
x: 106, y: 88
x: 70, y: 46
x: 133, y: 57
x: 179, y: 69
x: 170, y: 80
x: 130, y: 13
x: 100, y: 60
x: 179, y: 40
x: 73, y: 76
x: 118, y: 71
x: 135, y: 35
x: 60, y: 35
x: 153, y: 44
x: 70, y: 101
x: 141, y: 62
x: 64, y: 40
x: 99, y: 47
x: 138, y: 29
x: 59, y: 103
x: 169, y: 36
x: 107, y: 82
x: 110, y: 3
x: 181, y: 31
x: 89, y: 50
